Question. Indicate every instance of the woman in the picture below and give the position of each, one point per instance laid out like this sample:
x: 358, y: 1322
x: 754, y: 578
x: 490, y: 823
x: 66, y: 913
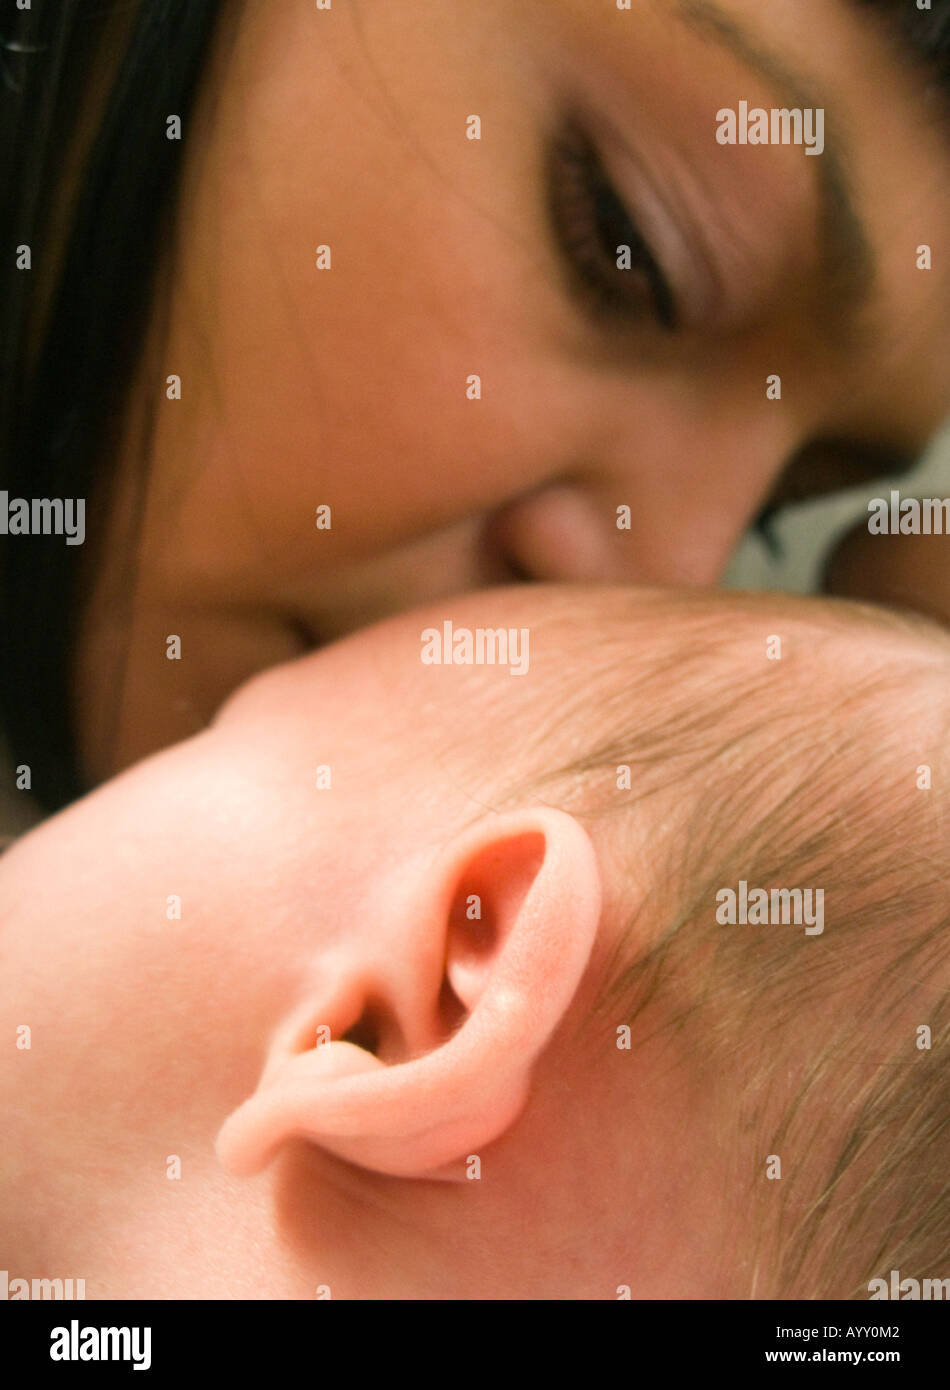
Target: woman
x: 352, y: 306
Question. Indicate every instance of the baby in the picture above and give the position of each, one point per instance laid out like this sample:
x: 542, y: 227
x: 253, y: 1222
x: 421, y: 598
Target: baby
x: 424, y: 976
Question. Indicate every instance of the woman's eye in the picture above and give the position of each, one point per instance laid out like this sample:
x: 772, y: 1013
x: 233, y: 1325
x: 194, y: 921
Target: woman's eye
x: 612, y: 266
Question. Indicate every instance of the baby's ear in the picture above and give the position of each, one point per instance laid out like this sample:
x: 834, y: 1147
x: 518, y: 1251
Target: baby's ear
x: 428, y: 1046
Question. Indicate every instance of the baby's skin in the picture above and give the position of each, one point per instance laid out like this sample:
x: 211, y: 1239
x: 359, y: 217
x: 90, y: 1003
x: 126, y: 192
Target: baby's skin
x: 305, y: 1005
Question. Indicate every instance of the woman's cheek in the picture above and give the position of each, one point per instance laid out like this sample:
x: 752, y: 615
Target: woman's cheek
x: 906, y: 571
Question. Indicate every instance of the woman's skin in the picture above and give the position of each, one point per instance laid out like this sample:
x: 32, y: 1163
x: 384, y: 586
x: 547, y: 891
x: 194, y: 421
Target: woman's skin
x: 910, y: 572
x: 346, y: 386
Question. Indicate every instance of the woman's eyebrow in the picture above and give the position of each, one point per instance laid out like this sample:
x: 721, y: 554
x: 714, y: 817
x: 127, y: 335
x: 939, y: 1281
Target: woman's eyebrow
x: 848, y: 259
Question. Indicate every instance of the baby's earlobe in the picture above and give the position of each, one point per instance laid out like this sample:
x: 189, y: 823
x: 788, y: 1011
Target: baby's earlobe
x: 250, y: 1134
x: 410, y: 1119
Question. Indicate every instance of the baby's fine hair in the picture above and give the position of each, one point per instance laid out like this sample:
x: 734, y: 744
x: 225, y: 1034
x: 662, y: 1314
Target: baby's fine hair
x: 786, y: 744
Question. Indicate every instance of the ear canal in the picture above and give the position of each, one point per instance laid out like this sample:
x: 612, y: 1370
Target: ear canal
x: 507, y: 919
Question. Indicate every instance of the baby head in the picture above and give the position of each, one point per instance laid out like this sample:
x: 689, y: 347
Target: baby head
x: 552, y: 943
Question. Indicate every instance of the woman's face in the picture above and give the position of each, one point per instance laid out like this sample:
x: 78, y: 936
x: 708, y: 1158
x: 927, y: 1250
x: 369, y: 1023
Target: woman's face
x: 452, y: 258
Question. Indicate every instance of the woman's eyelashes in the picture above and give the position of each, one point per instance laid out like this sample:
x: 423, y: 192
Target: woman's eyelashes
x: 613, y: 269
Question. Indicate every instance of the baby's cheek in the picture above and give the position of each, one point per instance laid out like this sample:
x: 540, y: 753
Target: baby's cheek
x: 123, y: 971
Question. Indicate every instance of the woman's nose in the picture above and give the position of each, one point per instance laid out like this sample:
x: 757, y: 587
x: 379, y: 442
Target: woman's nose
x: 658, y: 495
x: 678, y: 535
x: 557, y: 532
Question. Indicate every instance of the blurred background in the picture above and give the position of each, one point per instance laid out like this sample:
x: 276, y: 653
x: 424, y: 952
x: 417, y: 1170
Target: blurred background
x: 807, y: 533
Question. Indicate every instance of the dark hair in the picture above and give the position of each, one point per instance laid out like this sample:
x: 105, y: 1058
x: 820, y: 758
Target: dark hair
x: 70, y: 324
x: 924, y: 33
